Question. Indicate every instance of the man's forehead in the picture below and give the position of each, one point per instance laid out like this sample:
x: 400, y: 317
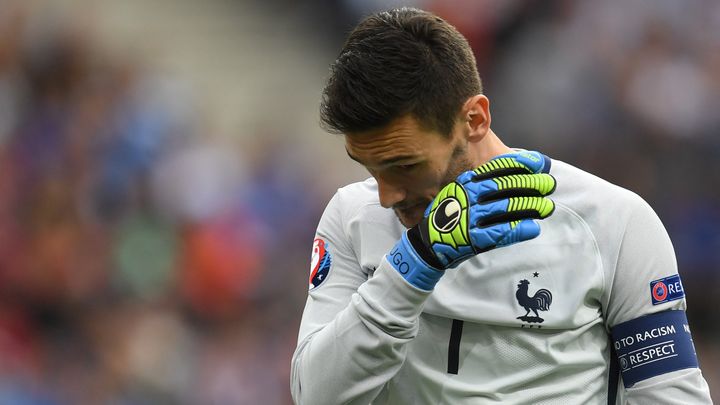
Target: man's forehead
x: 383, y: 151
x: 379, y: 160
x: 401, y: 140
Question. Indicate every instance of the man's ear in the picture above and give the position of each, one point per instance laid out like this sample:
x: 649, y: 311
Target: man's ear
x: 476, y: 113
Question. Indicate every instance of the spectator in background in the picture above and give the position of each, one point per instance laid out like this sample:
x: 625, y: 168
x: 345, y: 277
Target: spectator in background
x: 132, y: 249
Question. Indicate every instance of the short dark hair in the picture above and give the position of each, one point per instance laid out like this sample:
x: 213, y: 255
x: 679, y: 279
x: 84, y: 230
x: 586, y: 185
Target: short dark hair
x: 398, y: 62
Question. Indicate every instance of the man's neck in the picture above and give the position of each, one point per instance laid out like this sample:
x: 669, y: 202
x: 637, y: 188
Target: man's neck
x: 487, y: 148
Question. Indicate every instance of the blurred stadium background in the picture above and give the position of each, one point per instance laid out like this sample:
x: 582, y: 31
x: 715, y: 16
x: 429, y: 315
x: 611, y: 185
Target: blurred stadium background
x: 162, y: 171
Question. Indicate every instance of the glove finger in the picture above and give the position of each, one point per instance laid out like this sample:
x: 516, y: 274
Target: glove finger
x: 525, y: 162
x: 516, y: 185
x: 503, y: 234
x: 510, y: 209
x: 523, y: 230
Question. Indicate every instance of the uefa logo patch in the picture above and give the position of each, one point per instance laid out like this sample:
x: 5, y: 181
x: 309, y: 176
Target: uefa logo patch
x: 659, y: 291
x: 624, y: 363
x: 319, y: 263
x: 666, y: 289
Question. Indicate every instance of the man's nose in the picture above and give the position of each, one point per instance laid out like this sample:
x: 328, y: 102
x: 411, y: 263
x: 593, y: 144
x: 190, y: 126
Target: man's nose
x: 389, y: 194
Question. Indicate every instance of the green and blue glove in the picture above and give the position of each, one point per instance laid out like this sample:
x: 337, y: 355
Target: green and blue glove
x: 491, y: 206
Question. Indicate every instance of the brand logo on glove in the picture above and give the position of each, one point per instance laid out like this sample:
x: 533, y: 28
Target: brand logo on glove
x: 396, y: 258
x: 447, y: 215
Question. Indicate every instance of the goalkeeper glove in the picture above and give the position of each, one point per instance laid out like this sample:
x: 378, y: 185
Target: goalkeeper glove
x: 491, y: 206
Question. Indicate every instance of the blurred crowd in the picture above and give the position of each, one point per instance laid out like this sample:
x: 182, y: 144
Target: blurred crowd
x: 135, y: 249
x: 145, y: 261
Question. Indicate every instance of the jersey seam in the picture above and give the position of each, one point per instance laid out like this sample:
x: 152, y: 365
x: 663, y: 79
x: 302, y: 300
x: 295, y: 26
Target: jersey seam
x: 596, y: 247
x: 354, y: 215
x: 617, y: 259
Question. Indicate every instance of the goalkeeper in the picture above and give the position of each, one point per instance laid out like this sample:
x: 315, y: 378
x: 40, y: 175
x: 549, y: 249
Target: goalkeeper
x: 467, y: 272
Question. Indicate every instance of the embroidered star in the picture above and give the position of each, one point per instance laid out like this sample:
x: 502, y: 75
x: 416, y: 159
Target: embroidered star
x: 536, y: 274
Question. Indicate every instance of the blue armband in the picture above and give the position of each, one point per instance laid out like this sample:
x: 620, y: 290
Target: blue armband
x: 653, y: 345
x: 411, y: 266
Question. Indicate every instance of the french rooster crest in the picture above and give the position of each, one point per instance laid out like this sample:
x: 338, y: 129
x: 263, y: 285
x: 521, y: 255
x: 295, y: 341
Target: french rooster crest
x: 539, y: 302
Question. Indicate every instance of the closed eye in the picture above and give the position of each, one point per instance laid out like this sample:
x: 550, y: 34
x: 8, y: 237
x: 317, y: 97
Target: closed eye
x: 407, y: 167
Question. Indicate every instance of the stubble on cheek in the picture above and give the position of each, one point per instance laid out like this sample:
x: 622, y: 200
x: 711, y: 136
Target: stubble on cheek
x: 412, y: 215
x: 411, y: 212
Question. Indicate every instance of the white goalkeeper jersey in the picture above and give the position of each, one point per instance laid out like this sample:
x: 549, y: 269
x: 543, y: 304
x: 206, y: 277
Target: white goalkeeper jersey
x: 525, y: 324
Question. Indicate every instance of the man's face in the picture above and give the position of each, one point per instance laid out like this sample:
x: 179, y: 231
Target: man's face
x: 411, y: 164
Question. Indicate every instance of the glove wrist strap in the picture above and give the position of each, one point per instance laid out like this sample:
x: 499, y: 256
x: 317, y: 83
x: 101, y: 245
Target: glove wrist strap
x: 416, y: 238
x: 405, y: 259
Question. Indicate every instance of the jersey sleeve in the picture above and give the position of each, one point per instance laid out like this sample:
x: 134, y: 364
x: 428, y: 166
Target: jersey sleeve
x: 645, y: 316
x: 355, y: 328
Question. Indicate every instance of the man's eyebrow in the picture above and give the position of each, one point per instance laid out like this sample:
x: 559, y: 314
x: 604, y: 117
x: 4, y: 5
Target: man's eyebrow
x: 386, y: 162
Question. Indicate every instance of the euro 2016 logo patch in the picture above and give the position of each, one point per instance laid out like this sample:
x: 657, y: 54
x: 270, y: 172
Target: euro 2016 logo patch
x: 319, y: 263
x: 666, y: 289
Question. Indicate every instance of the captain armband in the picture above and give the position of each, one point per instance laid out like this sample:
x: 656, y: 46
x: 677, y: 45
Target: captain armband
x: 653, y: 345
